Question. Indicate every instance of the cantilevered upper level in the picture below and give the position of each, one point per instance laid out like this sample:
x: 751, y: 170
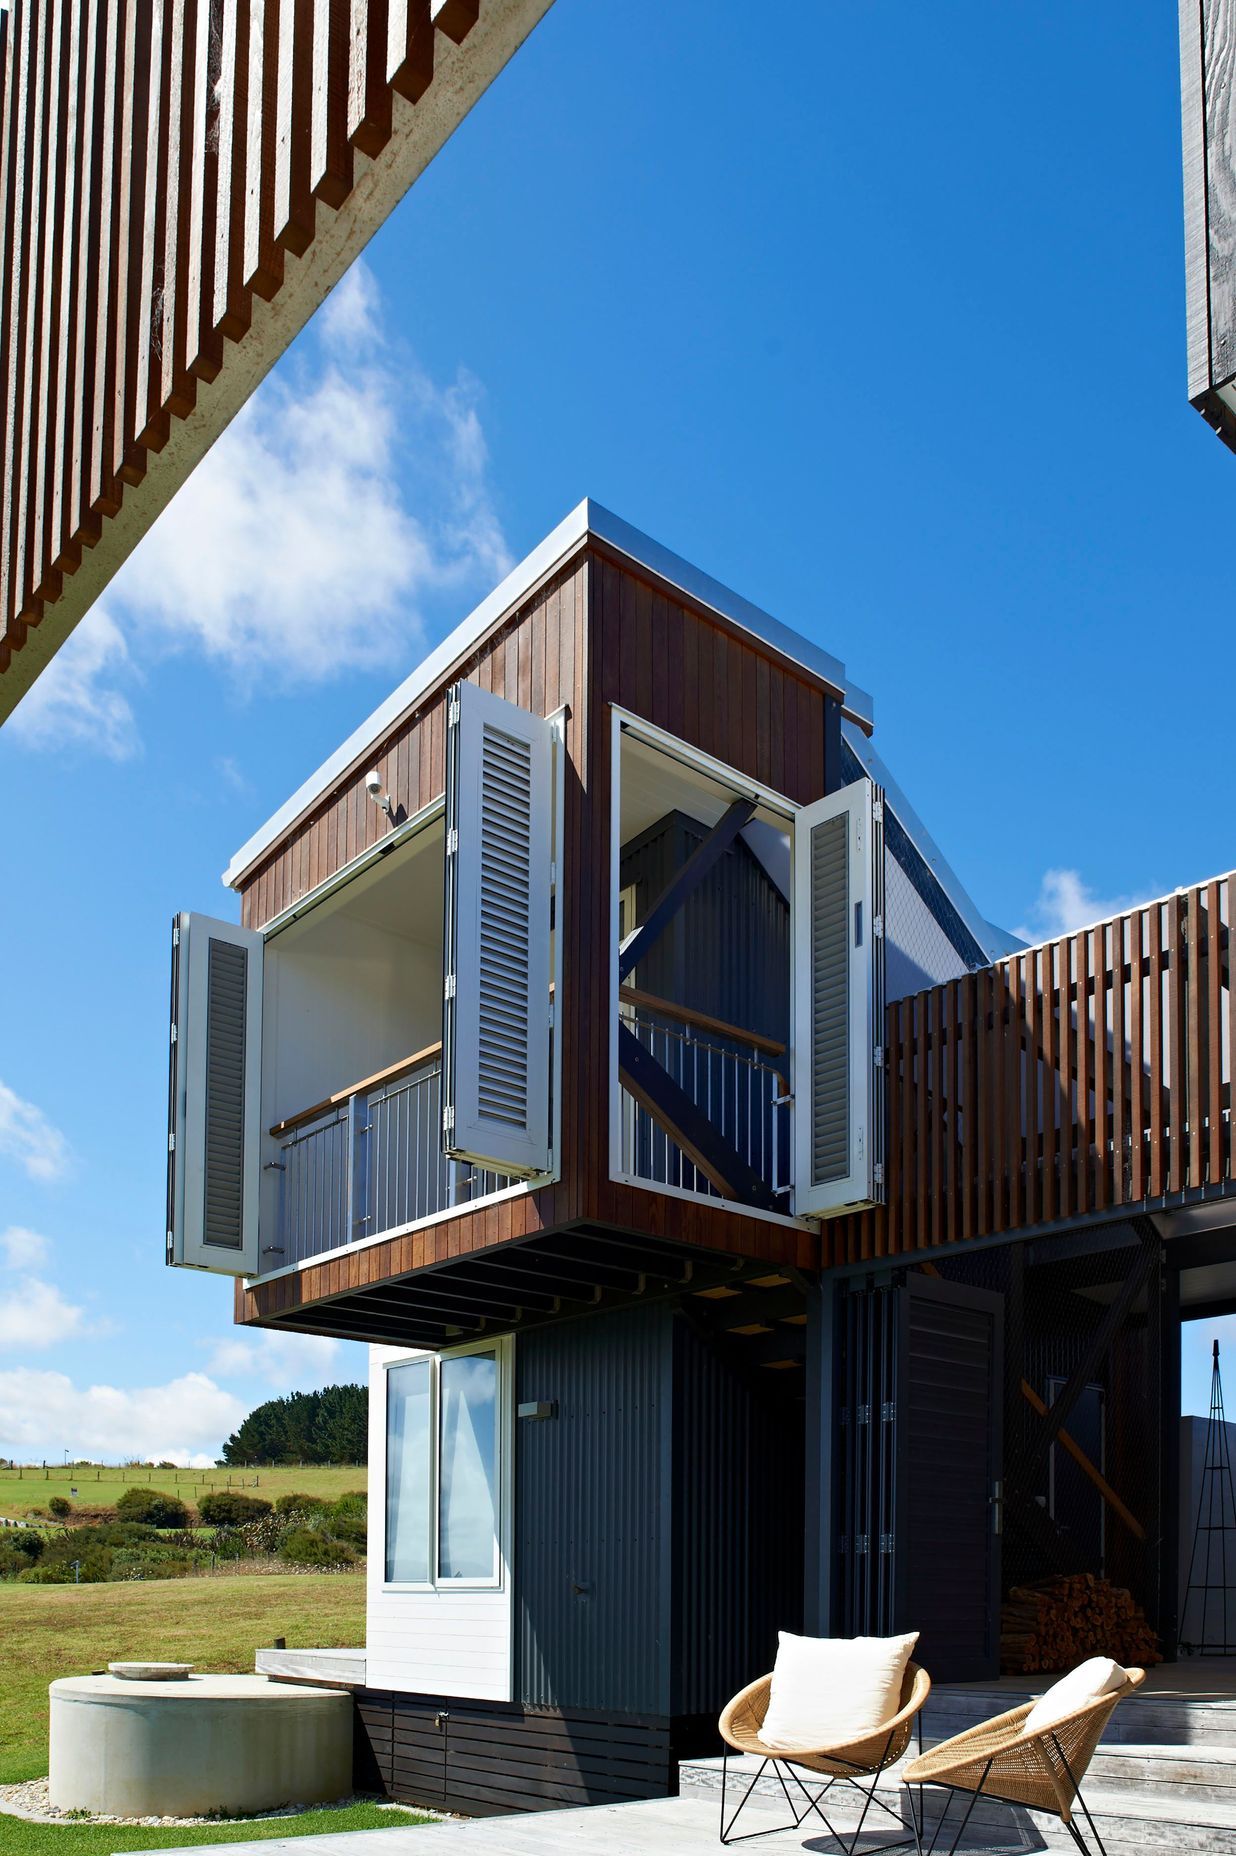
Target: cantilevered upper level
x: 582, y: 940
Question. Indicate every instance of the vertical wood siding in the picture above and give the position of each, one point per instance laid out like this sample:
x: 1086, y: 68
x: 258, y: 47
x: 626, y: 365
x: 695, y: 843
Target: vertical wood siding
x: 1090, y: 1074
x: 159, y: 159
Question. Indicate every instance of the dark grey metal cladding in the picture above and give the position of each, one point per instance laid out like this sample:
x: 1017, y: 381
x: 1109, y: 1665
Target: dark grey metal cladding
x: 726, y: 951
x: 738, y: 1522
x: 227, y: 986
x: 592, y: 1531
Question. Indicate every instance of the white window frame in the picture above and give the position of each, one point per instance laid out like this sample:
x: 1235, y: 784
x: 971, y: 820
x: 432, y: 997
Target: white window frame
x: 623, y: 721
x: 428, y: 815
x: 503, y: 1349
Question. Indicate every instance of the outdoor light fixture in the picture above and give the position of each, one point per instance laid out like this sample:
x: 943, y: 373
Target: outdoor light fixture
x: 373, y: 786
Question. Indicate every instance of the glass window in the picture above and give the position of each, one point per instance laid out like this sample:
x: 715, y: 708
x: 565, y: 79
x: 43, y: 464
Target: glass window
x: 468, y: 1473
x: 408, y: 1440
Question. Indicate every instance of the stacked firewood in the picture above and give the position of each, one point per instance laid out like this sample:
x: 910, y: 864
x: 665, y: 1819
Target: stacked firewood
x: 1057, y: 1623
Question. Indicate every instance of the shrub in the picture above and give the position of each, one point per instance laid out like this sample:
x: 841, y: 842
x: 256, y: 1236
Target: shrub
x: 228, y: 1508
x: 26, y: 1541
x: 302, y: 1547
x: 60, y: 1506
x: 348, y: 1519
x: 152, y: 1507
x: 13, y: 1561
x: 96, y: 1566
x: 297, y: 1504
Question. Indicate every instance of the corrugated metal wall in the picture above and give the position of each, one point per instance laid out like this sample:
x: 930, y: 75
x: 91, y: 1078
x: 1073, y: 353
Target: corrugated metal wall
x: 592, y: 1534
x: 738, y: 1525
x: 726, y: 952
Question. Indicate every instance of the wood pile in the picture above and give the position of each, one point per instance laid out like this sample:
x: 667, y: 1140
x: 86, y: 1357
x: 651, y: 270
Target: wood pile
x: 1055, y: 1624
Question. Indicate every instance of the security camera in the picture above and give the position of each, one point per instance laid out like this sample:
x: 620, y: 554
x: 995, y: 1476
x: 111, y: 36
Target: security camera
x: 373, y: 784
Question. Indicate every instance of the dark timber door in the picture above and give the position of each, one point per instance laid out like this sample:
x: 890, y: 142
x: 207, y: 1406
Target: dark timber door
x: 918, y: 1466
x: 950, y: 1425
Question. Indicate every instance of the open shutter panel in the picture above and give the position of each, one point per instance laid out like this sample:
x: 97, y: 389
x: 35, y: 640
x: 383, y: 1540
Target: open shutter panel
x: 214, y: 1107
x: 839, y: 1001
x: 495, y: 1034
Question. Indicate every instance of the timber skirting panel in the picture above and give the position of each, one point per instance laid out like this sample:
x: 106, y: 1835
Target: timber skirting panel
x: 1086, y: 1077
x: 181, y: 183
x: 482, y: 1758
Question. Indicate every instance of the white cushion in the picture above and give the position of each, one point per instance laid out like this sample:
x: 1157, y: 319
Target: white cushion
x: 1084, y: 1684
x: 828, y: 1691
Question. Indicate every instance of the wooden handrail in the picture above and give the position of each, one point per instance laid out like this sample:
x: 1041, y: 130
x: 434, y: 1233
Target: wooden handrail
x: 367, y: 1083
x: 631, y: 995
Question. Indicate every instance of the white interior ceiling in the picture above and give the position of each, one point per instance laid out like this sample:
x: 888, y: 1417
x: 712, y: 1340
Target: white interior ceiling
x: 654, y: 783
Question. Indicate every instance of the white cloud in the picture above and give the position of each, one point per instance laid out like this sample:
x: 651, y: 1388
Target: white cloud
x: 28, y: 1137
x: 34, y: 1314
x: 289, y: 1362
x: 22, y: 1249
x: 184, y: 1421
x: 350, y: 489
x: 1064, y: 904
x: 76, y: 701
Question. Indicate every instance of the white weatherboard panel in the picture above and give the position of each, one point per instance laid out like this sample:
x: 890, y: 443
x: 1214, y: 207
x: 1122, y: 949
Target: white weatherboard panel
x: 428, y: 1642
x: 214, y: 1115
x: 499, y: 816
x: 838, y: 966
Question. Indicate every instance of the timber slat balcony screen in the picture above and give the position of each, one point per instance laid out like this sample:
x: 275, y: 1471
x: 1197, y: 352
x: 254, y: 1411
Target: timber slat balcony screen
x: 1086, y: 1075
x: 176, y: 177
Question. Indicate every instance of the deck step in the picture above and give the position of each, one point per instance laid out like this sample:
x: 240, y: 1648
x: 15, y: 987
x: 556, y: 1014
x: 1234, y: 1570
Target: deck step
x: 1154, y: 1812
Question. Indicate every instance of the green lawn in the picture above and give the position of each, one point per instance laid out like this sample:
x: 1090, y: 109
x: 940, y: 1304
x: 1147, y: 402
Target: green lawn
x: 59, y: 1630
x: 17, y: 1838
x: 21, y: 1490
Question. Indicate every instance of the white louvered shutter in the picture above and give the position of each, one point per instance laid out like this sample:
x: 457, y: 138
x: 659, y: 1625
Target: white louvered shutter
x: 214, y: 1097
x: 839, y: 1001
x: 495, y: 1061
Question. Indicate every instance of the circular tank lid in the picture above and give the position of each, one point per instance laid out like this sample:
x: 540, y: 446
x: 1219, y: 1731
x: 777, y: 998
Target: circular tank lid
x: 150, y: 1672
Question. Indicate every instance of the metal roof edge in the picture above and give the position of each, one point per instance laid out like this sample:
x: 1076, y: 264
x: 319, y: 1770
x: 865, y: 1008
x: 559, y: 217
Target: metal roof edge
x: 588, y: 518
x: 995, y: 942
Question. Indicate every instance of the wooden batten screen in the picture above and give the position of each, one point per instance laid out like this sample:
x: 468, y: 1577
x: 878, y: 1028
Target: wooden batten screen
x: 181, y: 182
x: 1088, y: 1075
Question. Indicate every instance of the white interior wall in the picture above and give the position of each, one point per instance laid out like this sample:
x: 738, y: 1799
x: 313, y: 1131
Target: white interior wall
x: 428, y: 1643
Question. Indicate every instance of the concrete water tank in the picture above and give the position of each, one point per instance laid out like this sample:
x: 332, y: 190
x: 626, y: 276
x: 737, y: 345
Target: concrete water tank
x: 228, y: 1744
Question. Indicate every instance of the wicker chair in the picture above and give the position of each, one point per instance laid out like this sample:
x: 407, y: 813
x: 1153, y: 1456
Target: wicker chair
x: 848, y: 1761
x: 1042, y: 1772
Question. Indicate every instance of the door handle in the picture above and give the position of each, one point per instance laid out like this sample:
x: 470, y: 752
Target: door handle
x: 996, y: 1503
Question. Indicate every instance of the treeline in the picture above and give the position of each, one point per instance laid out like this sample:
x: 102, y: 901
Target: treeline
x: 331, y: 1426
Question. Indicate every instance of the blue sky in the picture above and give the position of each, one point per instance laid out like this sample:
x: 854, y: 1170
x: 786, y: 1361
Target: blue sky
x: 875, y: 313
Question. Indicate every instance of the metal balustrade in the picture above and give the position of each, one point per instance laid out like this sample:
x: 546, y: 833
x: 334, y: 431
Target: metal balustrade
x: 367, y: 1164
x: 733, y: 1082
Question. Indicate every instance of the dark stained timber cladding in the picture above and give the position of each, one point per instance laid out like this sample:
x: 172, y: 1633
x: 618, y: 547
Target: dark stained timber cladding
x: 591, y: 1528
x: 489, y: 1758
x: 227, y: 985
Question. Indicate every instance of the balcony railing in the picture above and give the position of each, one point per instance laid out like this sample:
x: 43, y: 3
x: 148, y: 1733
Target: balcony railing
x: 368, y: 1160
x: 732, y: 1076
x: 1075, y: 1079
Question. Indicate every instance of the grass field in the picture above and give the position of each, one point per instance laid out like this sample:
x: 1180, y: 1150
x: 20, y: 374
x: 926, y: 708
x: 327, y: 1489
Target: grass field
x: 58, y: 1630
x: 21, y: 1839
x: 23, y: 1489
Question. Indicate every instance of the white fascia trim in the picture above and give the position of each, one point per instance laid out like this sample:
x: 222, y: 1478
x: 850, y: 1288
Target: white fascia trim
x: 995, y: 942
x: 587, y: 518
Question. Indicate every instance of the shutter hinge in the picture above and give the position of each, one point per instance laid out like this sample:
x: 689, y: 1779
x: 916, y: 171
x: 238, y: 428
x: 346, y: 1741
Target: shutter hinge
x: 176, y: 934
x: 888, y: 1410
x: 887, y: 1542
x: 878, y: 1172
x: 452, y: 841
x: 877, y: 926
x: 448, y: 990
x: 448, y: 1119
x: 173, y: 1034
x: 862, y: 1414
x: 171, y: 1143
x: 861, y: 1543
x: 452, y: 712
x: 877, y: 811
x: 878, y: 1055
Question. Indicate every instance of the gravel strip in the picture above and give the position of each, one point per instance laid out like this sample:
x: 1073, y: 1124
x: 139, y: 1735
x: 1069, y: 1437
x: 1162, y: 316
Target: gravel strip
x: 31, y: 1801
